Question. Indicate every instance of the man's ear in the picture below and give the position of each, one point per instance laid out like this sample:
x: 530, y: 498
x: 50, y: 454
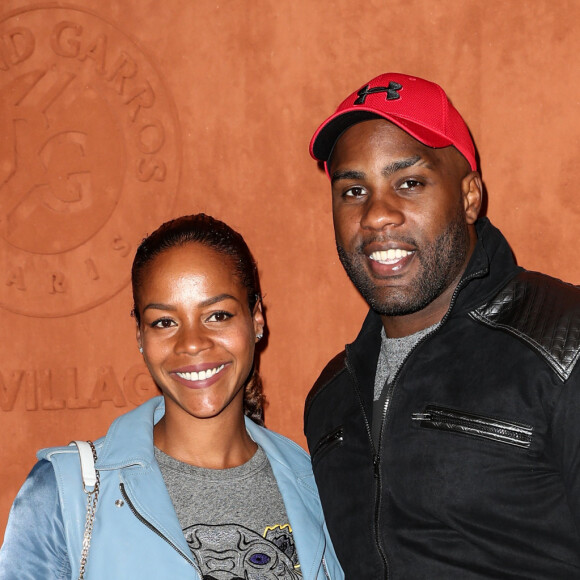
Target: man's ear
x: 472, y: 193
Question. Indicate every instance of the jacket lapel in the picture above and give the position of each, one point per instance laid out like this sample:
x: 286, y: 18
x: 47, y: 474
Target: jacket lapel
x: 300, y: 496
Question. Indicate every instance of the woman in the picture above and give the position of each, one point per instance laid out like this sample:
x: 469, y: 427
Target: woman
x: 190, y: 484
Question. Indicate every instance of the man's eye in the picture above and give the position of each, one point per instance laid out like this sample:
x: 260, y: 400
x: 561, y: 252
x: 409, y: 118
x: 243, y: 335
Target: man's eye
x: 410, y: 184
x: 220, y: 316
x: 356, y: 191
x: 163, y: 323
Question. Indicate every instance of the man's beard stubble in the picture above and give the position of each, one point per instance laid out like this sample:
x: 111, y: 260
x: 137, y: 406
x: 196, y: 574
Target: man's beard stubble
x: 440, y: 261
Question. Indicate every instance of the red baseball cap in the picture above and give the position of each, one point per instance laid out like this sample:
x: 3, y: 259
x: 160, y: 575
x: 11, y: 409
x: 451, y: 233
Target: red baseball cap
x: 419, y: 107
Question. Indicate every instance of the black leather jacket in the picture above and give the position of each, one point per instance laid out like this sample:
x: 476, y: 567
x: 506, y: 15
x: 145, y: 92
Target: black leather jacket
x: 477, y: 473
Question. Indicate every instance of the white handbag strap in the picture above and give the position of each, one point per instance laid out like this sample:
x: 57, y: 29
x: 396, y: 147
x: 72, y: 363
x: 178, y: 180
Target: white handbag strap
x: 88, y: 471
x: 91, y: 484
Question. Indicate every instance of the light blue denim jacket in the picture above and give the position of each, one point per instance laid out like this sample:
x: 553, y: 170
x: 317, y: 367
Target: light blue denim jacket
x: 136, y: 532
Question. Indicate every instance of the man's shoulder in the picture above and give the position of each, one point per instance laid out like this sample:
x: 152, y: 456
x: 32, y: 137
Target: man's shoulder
x: 542, y: 311
x: 330, y: 372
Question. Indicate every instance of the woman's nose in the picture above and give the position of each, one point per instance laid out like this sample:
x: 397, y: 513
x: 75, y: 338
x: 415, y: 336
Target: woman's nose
x: 193, y: 339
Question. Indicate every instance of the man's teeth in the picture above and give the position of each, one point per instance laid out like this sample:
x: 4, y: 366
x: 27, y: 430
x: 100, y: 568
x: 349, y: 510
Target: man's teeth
x: 201, y: 376
x: 390, y: 255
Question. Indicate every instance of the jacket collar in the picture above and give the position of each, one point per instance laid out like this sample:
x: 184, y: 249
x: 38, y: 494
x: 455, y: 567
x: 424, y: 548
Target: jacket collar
x: 129, y: 440
x: 490, y: 268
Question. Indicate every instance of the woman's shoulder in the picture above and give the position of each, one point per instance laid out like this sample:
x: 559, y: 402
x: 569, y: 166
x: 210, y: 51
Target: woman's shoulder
x: 41, y: 479
x: 39, y: 492
x: 130, y: 434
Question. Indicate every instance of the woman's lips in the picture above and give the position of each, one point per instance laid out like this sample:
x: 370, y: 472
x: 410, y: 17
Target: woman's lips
x: 199, y: 376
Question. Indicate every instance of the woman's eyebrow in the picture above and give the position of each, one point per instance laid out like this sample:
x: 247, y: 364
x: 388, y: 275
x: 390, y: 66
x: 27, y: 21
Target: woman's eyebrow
x: 207, y: 302
x: 218, y: 298
x: 158, y: 306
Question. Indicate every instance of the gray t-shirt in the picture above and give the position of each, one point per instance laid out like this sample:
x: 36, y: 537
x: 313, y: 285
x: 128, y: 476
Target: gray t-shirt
x: 393, y: 353
x: 234, y: 520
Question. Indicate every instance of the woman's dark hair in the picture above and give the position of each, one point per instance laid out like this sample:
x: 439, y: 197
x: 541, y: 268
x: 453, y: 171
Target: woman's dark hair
x: 215, y: 234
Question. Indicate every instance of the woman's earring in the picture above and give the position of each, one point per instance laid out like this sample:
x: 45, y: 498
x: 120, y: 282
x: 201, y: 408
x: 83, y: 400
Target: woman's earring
x: 141, y: 349
x: 260, y: 335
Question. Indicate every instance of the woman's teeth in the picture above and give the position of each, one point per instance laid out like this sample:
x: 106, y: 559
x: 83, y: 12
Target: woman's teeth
x: 201, y: 375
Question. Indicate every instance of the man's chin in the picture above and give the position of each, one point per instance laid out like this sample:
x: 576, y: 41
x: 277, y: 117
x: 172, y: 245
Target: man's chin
x: 397, y: 302
x: 394, y: 309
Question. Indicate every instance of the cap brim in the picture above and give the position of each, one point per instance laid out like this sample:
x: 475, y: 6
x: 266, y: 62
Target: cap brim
x: 324, y: 139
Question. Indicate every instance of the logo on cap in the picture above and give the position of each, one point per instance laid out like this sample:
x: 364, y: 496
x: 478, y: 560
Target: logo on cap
x: 391, y: 90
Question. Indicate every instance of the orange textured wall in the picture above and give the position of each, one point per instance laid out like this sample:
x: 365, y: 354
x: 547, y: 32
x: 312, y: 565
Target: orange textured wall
x: 118, y: 114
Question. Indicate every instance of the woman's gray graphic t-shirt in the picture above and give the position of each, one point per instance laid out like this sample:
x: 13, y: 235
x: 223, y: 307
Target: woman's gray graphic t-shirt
x: 234, y: 520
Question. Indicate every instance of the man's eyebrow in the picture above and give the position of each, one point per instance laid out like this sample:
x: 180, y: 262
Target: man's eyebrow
x: 387, y: 170
x: 399, y: 165
x: 347, y: 174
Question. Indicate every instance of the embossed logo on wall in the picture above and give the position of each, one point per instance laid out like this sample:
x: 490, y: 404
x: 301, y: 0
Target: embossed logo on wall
x: 62, y: 388
x: 89, y: 159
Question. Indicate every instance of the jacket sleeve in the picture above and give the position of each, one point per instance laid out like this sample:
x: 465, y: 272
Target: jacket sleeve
x: 34, y: 543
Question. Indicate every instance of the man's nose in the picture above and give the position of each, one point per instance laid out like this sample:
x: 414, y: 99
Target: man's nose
x: 381, y: 210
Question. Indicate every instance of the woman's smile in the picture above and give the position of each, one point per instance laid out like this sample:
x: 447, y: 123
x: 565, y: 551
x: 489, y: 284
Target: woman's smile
x: 198, y: 379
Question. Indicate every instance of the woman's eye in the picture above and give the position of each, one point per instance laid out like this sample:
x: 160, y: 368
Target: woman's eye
x: 220, y: 316
x: 163, y: 323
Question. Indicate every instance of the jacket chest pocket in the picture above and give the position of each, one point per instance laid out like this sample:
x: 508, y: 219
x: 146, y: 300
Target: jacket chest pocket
x: 327, y: 442
x: 479, y: 426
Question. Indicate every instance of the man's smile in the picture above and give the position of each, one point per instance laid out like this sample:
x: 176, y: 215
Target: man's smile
x: 390, y: 256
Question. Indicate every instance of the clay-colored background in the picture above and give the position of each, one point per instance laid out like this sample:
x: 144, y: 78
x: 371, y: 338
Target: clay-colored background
x: 239, y: 88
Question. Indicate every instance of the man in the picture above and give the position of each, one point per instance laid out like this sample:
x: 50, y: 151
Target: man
x: 445, y: 440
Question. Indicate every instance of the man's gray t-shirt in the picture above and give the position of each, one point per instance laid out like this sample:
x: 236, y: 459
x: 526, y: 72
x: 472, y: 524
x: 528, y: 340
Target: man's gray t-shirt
x: 393, y: 353
x: 234, y: 520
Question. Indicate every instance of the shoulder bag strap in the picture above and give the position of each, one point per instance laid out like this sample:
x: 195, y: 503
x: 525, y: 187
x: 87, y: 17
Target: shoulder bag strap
x: 88, y: 457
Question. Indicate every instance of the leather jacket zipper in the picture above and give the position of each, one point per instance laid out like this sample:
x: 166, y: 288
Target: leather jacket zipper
x: 444, y: 419
x: 329, y: 441
x: 154, y: 529
x: 376, y: 469
x: 390, y: 393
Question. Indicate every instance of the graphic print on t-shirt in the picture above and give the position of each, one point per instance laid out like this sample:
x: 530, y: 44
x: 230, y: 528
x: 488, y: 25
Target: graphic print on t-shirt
x: 232, y: 551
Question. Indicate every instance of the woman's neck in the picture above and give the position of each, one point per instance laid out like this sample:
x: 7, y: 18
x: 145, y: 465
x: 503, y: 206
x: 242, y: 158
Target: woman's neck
x: 216, y: 443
